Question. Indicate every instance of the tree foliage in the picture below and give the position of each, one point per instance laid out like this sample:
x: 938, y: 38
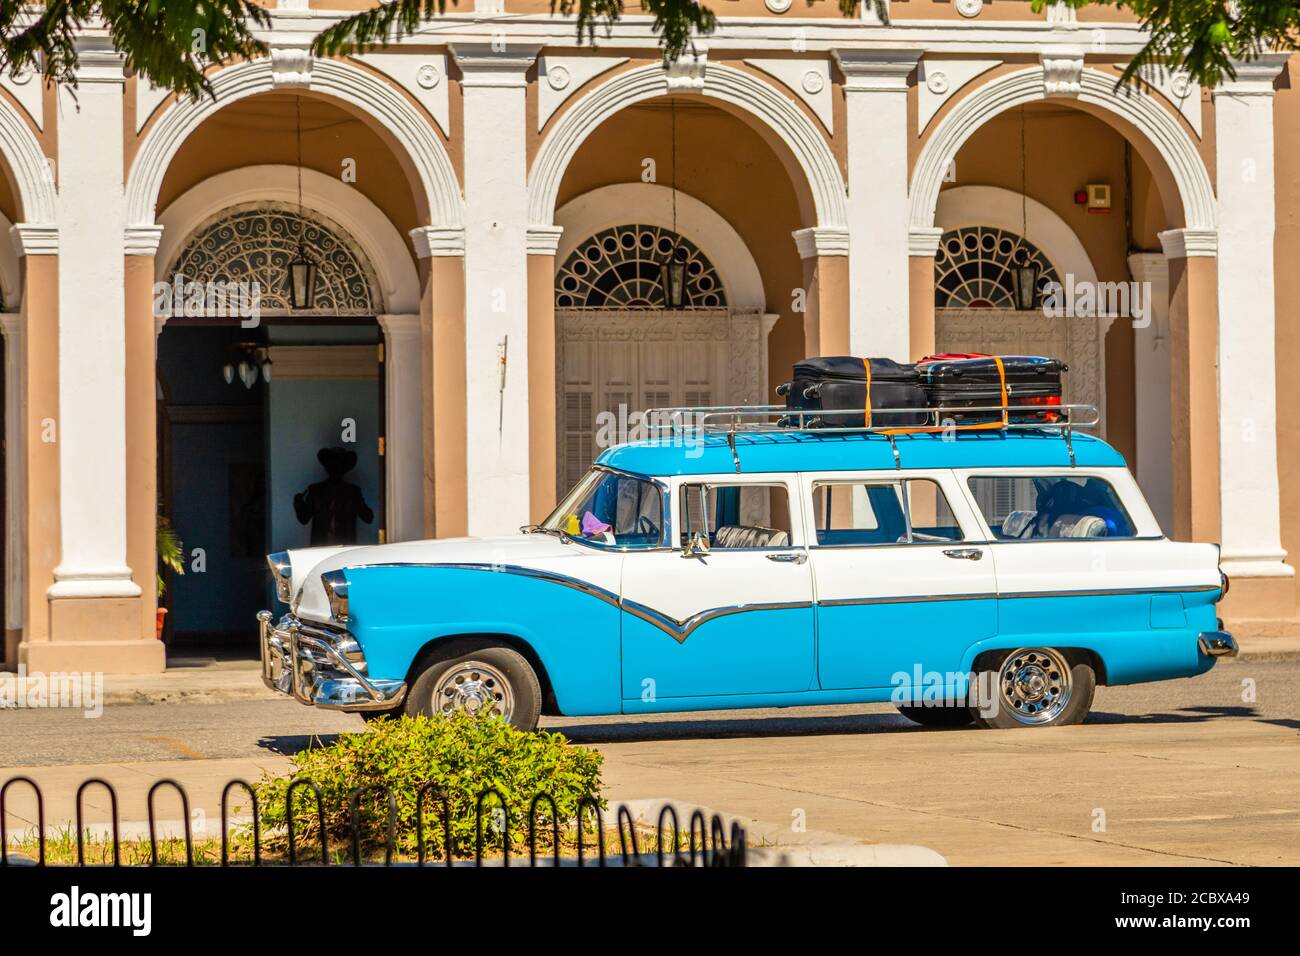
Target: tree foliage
x: 172, y: 43
x: 1204, y: 37
x: 169, y: 43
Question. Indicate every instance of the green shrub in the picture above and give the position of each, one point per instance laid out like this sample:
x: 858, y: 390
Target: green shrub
x: 458, y: 754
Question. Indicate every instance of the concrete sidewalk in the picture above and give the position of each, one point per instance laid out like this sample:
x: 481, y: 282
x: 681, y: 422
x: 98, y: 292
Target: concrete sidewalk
x: 209, y: 681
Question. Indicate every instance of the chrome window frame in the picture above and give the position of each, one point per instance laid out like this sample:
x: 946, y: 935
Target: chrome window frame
x: 964, y: 479
x: 936, y: 475
x: 789, y: 480
x: 665, y: 509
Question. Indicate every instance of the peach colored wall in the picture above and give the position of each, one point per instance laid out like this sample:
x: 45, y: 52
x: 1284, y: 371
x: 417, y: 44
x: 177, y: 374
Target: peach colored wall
x: 1065, y: 150
x: 142, y: 436
x: 260, y: 129
x: 726, y: 165
x: 1286, y: 250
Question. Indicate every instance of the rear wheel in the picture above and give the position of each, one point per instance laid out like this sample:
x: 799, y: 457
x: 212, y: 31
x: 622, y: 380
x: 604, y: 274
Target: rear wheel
x: 945, y: 716
x: 1038, y: 687
x: 478, y: 678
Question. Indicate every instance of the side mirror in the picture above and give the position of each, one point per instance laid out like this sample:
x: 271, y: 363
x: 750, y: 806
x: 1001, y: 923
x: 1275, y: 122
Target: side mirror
x: 697, y: 546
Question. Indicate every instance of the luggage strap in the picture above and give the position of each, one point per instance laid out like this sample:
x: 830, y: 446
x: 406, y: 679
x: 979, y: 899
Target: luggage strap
x: 866, y: 415
x: 1002, y: 381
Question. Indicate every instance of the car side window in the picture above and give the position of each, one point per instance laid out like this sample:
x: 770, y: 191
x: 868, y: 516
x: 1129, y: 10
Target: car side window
x: 909, y: 511
x: 1051, y: 507
x: 735, y: 517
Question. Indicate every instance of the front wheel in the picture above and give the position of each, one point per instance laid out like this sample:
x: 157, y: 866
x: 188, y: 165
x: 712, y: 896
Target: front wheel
x: 1037, y: 687
x: 481, y: 679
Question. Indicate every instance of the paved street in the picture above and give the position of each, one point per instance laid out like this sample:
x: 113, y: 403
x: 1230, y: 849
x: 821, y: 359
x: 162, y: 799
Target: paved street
x: 1182, y: 772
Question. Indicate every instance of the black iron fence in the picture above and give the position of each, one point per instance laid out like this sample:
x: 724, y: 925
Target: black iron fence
x: 707, y: 840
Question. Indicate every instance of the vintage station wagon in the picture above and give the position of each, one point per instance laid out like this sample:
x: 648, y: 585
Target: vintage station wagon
x: 988, y: 576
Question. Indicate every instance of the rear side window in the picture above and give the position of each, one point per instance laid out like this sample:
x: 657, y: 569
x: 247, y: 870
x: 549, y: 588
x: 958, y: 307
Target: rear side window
x: 1051, y: 507
x: 850, y: 513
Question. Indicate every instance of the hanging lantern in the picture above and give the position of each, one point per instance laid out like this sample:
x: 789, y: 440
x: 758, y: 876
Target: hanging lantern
x: 302, y: 281
x: 672, y: 276
x: 228, y: 373
x: 1024, y: 282
x: 266, y: 368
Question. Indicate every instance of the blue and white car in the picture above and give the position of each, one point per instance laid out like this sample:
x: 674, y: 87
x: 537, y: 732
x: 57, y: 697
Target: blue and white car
x: 993, y: 577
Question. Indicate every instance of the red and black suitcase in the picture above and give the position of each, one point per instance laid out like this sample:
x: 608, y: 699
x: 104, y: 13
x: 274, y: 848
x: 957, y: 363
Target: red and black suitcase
x: 1030, y: 380
x: 839, y: 383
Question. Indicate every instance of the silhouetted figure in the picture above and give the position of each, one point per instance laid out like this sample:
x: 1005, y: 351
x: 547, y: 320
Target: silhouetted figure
x: 333, y: 506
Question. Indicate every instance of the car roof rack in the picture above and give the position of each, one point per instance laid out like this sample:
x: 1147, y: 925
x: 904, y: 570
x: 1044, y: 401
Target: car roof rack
x: 732, y: 420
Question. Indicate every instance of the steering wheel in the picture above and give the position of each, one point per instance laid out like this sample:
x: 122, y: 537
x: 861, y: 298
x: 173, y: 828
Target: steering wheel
x: 645, y: 526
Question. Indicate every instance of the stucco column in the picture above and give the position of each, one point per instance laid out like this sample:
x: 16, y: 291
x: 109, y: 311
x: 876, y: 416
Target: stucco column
x: 875, y: 99
x: 826, y: 262
x: 1252, y: 536
x: 11, y: 325
x: 493, y: 88
x: 542, y: 438
x: 1193, y: 378
x: 142, y: 328
x: 404, y: 427
x: 442, y: 353
x: 35, y: 458
x: 922, y: 244
x: 1151, y: 361
x: 95, y: 602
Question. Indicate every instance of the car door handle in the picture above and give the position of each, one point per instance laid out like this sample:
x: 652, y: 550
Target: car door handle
x: 970, y: 554
x: 789, y: 557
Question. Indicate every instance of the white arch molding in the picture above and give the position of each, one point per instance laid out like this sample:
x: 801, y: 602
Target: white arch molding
x: 33, y: 179
x: 398, y: 308
x: 727, y: 84
x: 1098, y: 89
x: 388, y: 253
x: 652, y: 205
x: 334, y: 78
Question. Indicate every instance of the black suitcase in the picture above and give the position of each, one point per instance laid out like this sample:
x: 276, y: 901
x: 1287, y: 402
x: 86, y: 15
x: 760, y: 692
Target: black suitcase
x: 840, y: 382
x: 1031, y: 380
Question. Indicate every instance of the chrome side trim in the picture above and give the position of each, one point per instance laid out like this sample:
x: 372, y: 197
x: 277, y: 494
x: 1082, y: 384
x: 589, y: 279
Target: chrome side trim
x: 680, y: 630
x: 907, y: 599
x: 1113, y: 592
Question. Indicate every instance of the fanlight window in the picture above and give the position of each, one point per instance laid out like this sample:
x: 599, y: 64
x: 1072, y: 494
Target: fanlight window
x: 622, y: 268
x: 259, y: 242
x: 973, y: 268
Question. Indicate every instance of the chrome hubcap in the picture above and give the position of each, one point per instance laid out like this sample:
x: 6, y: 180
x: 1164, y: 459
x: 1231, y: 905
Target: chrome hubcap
x: 1035, y: 685
x: 474, y: 688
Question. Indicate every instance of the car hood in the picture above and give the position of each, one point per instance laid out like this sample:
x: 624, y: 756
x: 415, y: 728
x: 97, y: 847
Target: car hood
x: 527, y: 550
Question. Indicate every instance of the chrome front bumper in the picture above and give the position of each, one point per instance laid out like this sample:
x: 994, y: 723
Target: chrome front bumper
x: 321, y: 667
x: 1216, y: 644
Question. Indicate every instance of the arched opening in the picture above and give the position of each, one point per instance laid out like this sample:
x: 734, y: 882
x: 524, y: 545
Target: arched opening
x: 1117, y: 341
x: 623, y: 344
x: 254, y: 388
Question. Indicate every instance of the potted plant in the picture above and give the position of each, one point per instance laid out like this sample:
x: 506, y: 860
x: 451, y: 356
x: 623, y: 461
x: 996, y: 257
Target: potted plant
x: 171, y: 554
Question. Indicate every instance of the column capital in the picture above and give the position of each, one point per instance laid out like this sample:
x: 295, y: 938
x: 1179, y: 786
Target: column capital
x: 817, y: 241
x: 483, y: 64
x: 924, y: 242
x: 543, y: 240
x: 143, y: 240
x: 438, y: 241
x: 406, y: 323
x: 879, y: 71
x: 1188, y: 243
x: 35, y: 238
x: 1254, y: 77
x: 98, y: 61
x: 1149, y: 266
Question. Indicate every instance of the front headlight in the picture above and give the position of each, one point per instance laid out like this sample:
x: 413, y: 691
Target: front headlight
x: 282, y: 573
x: 336, y: 590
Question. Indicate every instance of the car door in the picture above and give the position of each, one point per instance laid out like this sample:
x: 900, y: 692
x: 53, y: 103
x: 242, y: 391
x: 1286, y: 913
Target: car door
x: 736, y: 620
x: 903, y: 580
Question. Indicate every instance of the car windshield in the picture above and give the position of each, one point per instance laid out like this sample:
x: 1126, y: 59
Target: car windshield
x: 611, y: 508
